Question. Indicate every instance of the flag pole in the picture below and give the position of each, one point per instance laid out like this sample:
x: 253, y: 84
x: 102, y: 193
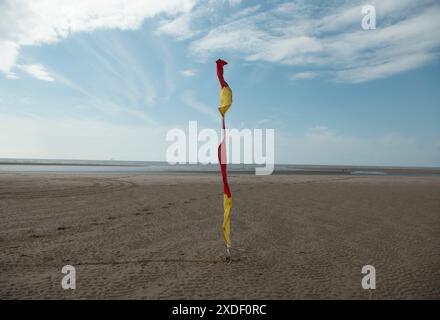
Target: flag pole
x: 225, y: 103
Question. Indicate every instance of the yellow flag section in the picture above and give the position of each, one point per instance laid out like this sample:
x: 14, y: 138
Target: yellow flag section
x: 225, y: 100
x: 227, y: 206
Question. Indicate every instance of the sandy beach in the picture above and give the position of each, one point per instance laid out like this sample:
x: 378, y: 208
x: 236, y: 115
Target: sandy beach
x: 158, y: 236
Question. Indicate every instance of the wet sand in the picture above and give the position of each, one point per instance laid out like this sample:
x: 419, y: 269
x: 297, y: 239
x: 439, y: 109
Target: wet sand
x: 158, y: 236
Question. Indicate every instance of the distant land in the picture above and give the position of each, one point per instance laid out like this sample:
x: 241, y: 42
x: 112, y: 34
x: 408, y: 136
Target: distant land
x: 65, y: 165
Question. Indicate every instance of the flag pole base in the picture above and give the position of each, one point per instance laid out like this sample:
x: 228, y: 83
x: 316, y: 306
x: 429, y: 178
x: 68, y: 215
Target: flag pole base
x: 228, y: 255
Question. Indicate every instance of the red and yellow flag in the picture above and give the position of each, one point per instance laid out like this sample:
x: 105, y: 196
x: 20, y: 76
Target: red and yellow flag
x: 225, y: 103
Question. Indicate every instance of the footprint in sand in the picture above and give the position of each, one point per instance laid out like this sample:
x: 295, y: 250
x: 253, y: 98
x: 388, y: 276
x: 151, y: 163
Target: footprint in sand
x: 168, y: 205
x: 62, y: 228
x: 144, y: 211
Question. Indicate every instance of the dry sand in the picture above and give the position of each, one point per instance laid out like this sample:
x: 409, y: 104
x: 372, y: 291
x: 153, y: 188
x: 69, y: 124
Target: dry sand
x: 154, y: 236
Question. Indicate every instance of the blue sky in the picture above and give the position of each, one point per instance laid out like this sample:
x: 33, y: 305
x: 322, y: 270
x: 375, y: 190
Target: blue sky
x: 108, y: 79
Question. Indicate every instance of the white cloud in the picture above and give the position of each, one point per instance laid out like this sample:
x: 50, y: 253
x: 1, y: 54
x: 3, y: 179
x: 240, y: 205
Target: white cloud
x: 288, y: 48
x: 305, y: 75
x: 37, y: 71
x: 9, y: 53
x: 179, y: 27
x: 331, y: 38
x: 386, y: 68
x: 193, y: 22
x: 27, y: 23
x: 11, y: 75
x: 234, y: 2
x: 296, y: 33
x: 188, y: 73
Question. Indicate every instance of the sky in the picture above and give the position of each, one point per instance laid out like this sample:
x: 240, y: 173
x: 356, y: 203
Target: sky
x: 99, y: 80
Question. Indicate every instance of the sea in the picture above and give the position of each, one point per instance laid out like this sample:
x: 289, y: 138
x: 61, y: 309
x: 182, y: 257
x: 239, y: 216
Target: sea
x: 114, y: 166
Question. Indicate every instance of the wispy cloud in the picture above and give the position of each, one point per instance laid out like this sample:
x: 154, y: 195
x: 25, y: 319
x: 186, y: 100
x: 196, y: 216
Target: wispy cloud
x: 12, y: 75
x: 303, y: 34
x: 188, y: 73
x: 9, y: 52
x: 304, y: 75
x: 189, y: 98
x: 37, y: 71
x: 295, y: 34
x: 110, y: 108
x: 27, y: 23
x: 127, y: 80
x: 179, y: 27
x: 101, y: 102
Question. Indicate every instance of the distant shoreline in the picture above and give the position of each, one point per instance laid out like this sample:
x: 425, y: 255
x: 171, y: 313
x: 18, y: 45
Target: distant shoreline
x: 78, y: 166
